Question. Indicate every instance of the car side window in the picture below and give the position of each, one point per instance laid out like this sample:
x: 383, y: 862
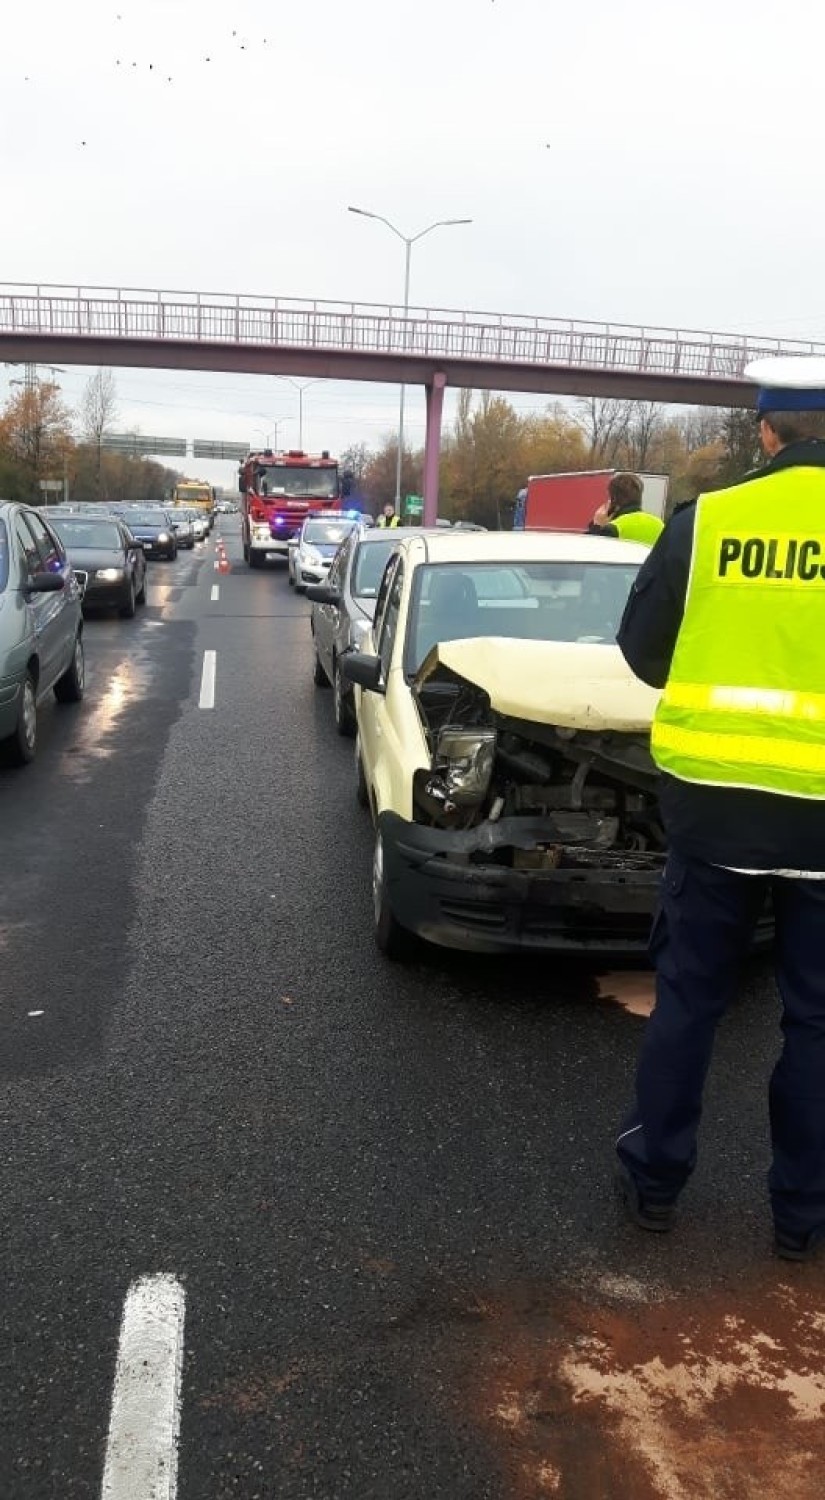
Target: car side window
x: 389, y: 624
x: 382, y: 596
x: 28, y: 547
x: 340, y: 563
x: 52, y: 555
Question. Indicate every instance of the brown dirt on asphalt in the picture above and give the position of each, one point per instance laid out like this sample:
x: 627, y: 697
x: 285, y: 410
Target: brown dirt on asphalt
x: 718, y: 1397
x: 633, y: 989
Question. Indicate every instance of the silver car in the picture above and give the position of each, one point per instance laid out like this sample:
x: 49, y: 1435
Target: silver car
x: 319, y: 540
x: 343, y: 608
x: 41, y: 627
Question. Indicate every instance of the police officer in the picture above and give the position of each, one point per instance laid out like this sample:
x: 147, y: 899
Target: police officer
x: 622, y: 515
x: 727, y: 617
x: 388, y: 517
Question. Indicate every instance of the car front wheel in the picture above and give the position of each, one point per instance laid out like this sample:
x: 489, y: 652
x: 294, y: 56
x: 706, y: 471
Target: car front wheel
x: 71, y: 686
x: 127, y: 610
x: 319, y: 676
x: 393, y: 940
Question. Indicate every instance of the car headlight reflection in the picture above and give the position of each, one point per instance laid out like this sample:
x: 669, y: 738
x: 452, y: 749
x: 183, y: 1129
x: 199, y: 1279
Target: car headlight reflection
x: 463, y: 764
x: 163, y: 536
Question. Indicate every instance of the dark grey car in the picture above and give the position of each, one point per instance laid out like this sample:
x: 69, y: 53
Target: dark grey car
x: 343, y: 609
x: 109, y: 562
x: 41, y: 627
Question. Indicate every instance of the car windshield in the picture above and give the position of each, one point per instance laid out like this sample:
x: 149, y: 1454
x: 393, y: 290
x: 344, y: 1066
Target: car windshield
x: 145, y: 518
x: 4, y: 556
x: 297, y: 483
x: 327, y: 533
x: 530, y: 601
x: 76, y: 533
x: 370, y: 562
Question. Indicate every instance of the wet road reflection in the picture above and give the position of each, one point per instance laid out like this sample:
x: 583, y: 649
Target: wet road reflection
x: 92, y: 741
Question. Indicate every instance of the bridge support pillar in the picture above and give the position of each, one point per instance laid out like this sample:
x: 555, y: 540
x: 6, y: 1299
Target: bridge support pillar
x: 432, y: 446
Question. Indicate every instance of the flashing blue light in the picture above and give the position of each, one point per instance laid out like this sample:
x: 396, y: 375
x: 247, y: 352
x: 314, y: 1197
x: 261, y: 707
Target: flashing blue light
x: 279, y: 520
x: 352, y: 514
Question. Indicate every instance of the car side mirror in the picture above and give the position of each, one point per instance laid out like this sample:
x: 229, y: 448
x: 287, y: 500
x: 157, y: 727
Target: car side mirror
x: 322, y: 593
x: 45, y: 583
x: 365, y: 670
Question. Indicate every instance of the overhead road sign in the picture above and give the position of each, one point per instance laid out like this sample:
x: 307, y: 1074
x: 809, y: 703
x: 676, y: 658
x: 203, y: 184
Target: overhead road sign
x: 235, y: 452
x: 136, y: 445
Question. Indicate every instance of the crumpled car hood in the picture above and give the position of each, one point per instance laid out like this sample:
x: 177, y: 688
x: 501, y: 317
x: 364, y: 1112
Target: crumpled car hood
x: 569, y: 684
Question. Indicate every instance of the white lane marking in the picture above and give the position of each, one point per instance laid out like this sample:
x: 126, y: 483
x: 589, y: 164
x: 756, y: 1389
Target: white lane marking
x: 216, y: 592
x: 35, y: 1013
x: 142, y: 1446
x: 207, y: 697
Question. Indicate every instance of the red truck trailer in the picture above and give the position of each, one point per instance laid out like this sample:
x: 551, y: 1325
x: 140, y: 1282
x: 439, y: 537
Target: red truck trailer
x: 568, y: 502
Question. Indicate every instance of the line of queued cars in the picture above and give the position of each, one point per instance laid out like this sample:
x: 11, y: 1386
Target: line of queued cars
x: 56, y: 567
x: 501, y: 741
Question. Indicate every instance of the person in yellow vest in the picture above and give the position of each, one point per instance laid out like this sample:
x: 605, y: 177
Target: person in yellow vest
x: 622, y: 514
x: 388, y: 517
x: 727, y: 616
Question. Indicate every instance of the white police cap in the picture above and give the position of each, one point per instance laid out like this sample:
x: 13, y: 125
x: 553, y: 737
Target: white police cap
x: 789, y: 382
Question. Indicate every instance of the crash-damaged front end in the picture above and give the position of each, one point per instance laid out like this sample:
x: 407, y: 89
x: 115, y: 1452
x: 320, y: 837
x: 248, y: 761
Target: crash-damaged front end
x: 536, y: 824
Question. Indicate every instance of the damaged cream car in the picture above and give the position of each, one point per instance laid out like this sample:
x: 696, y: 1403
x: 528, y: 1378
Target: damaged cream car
x: 503, y: 747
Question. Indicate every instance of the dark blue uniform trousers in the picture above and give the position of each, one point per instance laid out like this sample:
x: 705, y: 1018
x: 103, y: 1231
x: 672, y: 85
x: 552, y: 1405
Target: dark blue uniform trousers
x: 702, y: 930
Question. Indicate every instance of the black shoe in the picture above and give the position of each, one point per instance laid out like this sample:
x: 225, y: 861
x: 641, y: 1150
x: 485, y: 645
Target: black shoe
x: 658, y: 1218
x: 799, y: 1246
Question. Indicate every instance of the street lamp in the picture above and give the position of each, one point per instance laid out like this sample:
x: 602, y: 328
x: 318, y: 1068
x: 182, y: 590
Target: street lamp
x: 409, y: 241
x: 300, y: 387
x: 272, y: 423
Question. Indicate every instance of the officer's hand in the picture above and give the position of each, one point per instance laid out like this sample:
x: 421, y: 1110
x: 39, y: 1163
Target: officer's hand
x: 602, y: 516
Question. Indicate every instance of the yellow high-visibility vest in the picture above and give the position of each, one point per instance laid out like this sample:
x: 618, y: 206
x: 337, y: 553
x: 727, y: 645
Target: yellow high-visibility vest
x: 638, y: 526
x: 744, y: 704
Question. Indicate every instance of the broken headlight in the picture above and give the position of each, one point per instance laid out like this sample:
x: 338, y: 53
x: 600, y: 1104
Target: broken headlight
x: 462, y: 766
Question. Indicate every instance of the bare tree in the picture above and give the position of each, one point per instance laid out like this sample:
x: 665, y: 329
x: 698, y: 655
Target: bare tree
x: 98, y: 410
x: 701, y: 426
x: 643, y: 429
x: 604, y: 420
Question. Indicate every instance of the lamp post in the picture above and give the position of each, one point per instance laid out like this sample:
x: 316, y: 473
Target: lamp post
x: 300, y: 387
x: 408, y: 240
x: 273, y: 423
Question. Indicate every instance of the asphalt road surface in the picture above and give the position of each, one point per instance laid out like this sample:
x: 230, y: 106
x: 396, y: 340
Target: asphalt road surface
x: 374, y: 1204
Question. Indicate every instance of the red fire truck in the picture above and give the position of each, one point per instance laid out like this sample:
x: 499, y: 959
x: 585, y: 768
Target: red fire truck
x: 278, y: 492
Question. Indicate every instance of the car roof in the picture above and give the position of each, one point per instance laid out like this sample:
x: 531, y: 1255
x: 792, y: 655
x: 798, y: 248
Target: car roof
x: 388, y: 534
x: 461, y: 546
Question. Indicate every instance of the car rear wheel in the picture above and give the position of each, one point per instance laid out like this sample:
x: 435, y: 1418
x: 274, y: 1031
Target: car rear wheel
x: 71, y: 686
x: 343, y: 712
x: 23, y: 743
x: 254, y: 558
x: 127, y: 610
x: 393, y: 940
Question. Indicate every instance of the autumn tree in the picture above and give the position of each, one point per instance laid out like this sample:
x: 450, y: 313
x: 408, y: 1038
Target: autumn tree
x: 35, y: 435
x: 378, y: 477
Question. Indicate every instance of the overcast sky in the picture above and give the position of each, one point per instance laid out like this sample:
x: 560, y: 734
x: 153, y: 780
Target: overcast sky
x: 631, y: 160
